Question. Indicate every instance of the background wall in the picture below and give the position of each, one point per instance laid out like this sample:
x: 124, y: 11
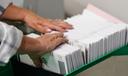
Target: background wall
x: 46, y: 8
x: 117, y: 8
x: 18, y: 2
x: 55, y: 9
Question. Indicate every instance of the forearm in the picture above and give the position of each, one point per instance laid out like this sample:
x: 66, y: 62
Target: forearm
x: 13, y: 12
x: 28, y: 45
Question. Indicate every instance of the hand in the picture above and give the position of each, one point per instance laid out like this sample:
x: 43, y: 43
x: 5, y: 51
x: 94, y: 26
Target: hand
x: 48, y: 42
x: 34, y: 21
x: 40, y: 46
x: 44, y: 25
x: 36, y: 60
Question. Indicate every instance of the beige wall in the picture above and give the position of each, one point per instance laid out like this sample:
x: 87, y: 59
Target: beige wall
x: 18, y: 2
x: 46, y: 8
x: 117, y: 8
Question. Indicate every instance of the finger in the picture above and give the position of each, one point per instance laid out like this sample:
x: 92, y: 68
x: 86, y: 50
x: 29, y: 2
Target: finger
x: 55, y: 36
x: 43, y: 29
x: 62, y: 24
x: 54, y: 27
x: 38, y: 63
x: 52, y: 35
x: 36, y: 60
x: 58, y: 34
x: 40, y: 28
x: 58, y: 42
x: 57, y: 28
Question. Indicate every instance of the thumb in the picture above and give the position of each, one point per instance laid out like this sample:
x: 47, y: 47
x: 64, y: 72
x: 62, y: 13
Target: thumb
x: 36, y: 60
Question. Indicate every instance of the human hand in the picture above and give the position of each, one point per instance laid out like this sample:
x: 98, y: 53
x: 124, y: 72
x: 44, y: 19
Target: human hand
x: 40, y: 46
x: 49, y: 44
x: 44, y: 25
x: 37, y: 61
x: 34, y: 21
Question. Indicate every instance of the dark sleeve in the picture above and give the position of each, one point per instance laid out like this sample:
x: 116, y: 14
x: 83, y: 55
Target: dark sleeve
x: 3, y: 5
x: 1, y: 9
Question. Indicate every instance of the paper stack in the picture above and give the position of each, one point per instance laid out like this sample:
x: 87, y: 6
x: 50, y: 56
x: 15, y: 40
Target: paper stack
x: 95, y: 34
x: 66, y: 58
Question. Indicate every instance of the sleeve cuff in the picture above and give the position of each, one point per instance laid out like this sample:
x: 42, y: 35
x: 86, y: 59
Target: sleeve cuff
x: 10, y: 43
x: 5, y: 7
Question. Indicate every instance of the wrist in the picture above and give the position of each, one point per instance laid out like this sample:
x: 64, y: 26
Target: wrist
x: 24, y: 13
x: 27, y: 15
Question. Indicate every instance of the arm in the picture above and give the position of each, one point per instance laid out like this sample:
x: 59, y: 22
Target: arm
x: 13, y: 39
x: 14, y: 13
x: 40, y: 46
x: 34, y: 21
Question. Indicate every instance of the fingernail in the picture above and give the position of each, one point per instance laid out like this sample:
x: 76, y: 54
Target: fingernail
x: 66, y: 40
x: 49, y: 30
x: 65, y: 30
x: 71, y: 27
